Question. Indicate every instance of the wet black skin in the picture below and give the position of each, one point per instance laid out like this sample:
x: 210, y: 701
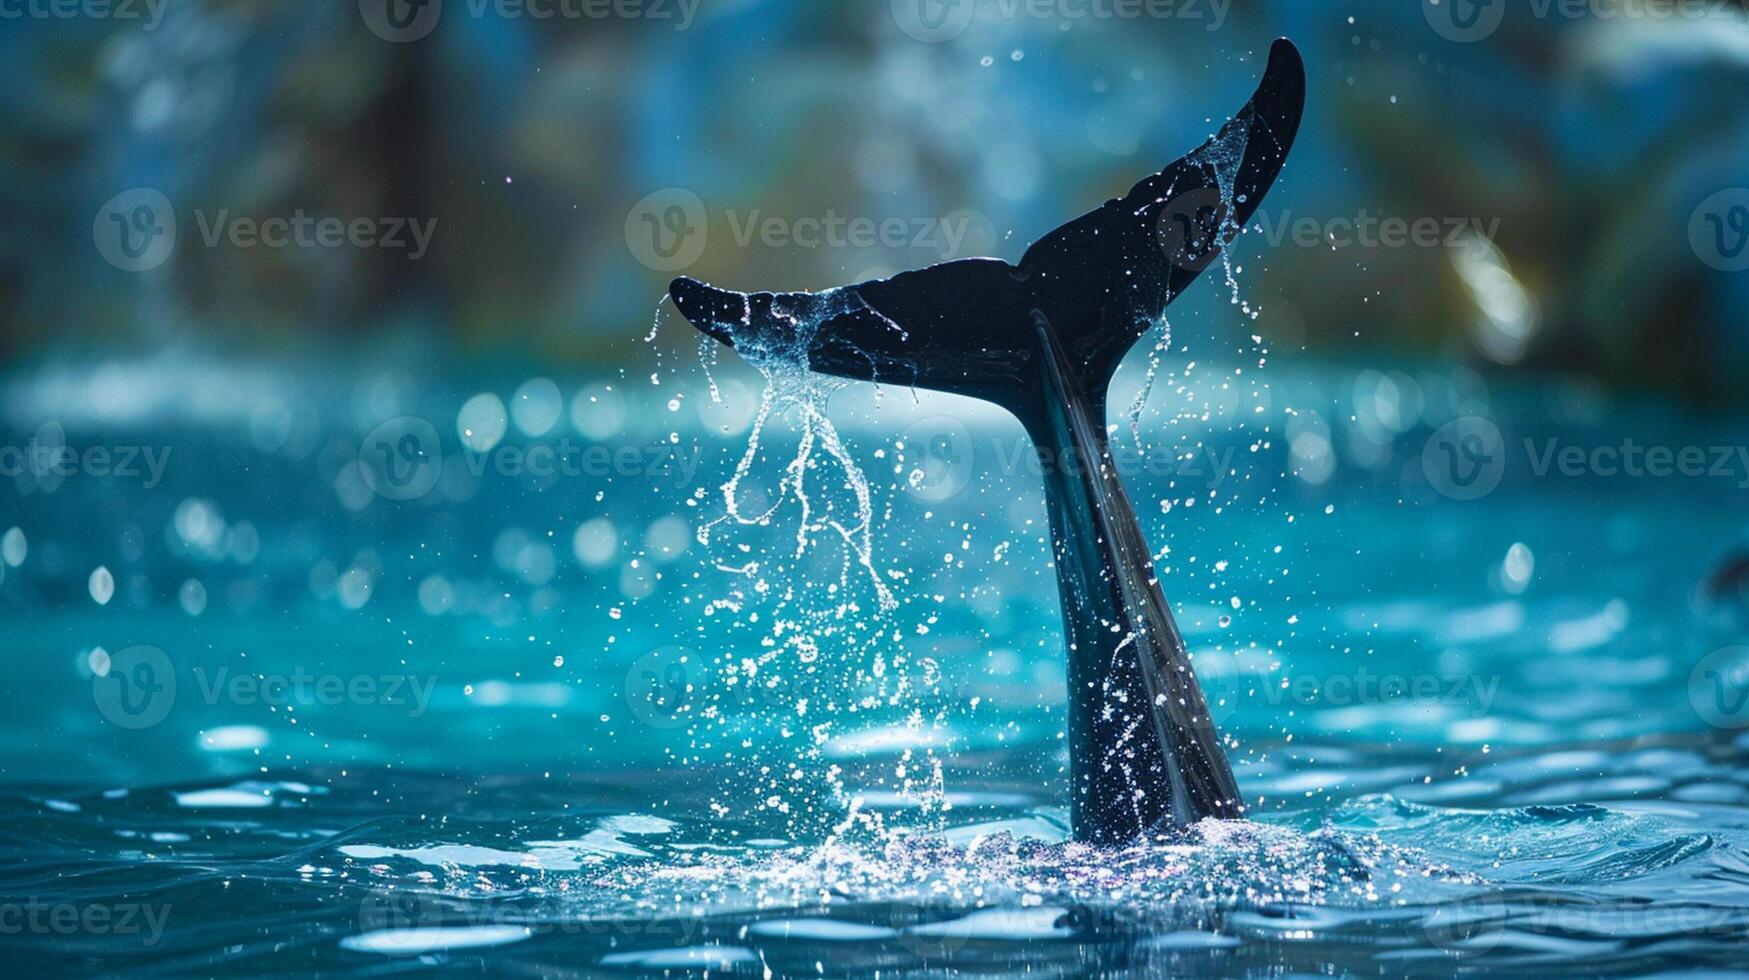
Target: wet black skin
x: 1042, y: 339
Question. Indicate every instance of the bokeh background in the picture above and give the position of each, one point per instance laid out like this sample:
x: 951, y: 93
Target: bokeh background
x: 557, y: 171
x: 1587, y: 143
x: 312, y: 652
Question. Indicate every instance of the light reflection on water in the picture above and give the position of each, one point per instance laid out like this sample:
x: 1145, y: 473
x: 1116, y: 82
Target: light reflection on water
x: 344, y: 872
x: 1472, y: 733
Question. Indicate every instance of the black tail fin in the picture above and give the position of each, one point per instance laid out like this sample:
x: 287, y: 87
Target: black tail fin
x: 1043, y: 339
x: 1101, y: 279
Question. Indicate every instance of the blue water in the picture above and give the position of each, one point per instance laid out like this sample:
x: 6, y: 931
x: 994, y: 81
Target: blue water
x: 455, y: 731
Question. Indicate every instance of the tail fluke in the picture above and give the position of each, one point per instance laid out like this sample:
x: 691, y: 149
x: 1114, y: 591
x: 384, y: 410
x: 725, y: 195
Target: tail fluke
x: 1106, y: 277
x: 1043, y: 339
x: 1101, y: 279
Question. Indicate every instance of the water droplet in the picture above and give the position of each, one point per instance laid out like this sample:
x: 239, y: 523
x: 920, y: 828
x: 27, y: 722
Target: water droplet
x: 1516, y: 570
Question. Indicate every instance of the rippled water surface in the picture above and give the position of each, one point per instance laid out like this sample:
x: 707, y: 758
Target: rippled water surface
x: 532, y: 725
x: 1597, y: 861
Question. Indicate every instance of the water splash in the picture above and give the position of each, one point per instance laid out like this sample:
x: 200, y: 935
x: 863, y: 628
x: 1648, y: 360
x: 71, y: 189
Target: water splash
x: 822, y: 646
x: 1221, y: 159
x: 794, y: 391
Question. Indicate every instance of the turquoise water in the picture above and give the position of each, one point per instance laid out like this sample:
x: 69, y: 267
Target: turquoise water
x: 533, y: 724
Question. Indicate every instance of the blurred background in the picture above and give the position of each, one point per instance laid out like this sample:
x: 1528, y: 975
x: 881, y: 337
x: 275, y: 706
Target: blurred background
x: 366, y: 525
x: 530, y: 145
x: 261, y: 247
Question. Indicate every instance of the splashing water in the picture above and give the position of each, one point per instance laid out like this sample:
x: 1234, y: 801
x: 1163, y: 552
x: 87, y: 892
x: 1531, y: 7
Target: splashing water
x: 793, y: 390
x: 1602, y: 834
x: 1221, y: 159
x: 791, y: 609
x: 511, y: 882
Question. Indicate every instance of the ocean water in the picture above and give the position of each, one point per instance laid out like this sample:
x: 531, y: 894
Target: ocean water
x: 274, y: 709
